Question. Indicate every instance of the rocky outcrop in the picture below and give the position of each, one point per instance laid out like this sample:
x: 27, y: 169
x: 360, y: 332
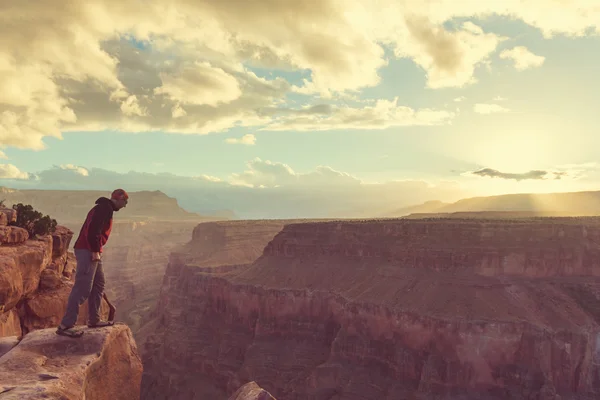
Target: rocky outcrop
x: 251, y: 391
x: 215, y: 246
x: 36, y: 276
x: 101, y: 365
x: 415, y: 309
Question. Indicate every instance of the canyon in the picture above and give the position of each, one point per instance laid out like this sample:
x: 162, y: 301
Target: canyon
x: 387, y: 309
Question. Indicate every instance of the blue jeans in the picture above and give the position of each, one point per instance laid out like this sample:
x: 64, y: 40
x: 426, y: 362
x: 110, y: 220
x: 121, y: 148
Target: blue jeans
x: 89, y: 285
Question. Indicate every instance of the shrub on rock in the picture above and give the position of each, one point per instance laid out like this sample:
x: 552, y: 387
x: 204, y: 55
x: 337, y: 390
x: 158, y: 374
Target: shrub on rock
x: 33, y: 221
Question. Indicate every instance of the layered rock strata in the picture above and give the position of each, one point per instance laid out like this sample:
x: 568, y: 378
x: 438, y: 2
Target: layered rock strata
x: 101, y: 365
x: 36, y: 276
x: 415, y: 309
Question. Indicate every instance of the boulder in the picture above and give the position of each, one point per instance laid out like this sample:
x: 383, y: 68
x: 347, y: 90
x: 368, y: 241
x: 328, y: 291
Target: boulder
x: 251, y: 391
x: 61, y: 238
x: 12, y: 234
x: 103, y: 364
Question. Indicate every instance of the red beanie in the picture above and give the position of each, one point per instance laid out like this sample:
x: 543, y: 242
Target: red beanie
x: 119, y: 194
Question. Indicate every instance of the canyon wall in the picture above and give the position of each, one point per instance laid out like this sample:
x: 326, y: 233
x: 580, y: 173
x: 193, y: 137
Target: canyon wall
x: 214, y: 246
x: 396, y: 309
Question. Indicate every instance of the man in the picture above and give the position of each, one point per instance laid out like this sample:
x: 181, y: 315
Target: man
x: 89, y: 277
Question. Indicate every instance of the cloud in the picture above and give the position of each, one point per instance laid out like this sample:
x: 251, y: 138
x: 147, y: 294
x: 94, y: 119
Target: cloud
x: 79, y: 170
x: 493, y: 173
x: 131, y: 107
x: 9, y: 171
x: 483, y: 108
x: 200, y: 83
x: 382, y: 115
x: 523, y: 58
x: 265, y: 189
x: 567, y: 171
x: 186, y: 66
x: 459, y: 99
x: 449, y: 58
x: 274, y: 174
x: 248, y: 139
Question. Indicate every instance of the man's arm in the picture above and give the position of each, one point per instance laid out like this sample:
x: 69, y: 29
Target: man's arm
x: 95, y: 229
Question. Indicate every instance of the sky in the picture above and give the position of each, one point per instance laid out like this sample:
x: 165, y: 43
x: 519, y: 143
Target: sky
x: 301, y: 108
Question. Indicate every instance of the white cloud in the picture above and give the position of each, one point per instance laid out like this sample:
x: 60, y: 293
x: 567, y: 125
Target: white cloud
x: 177, y: 111
x: 132, y: 107
x: 247, y: 139
x: 383, y: 114
x: 459, y: 99
x: 9, y: 171
x: 265, y: 189
x: 274, y: 174
x: 484, y: 108
x: 449, y: 58
x: 209, y: 178
x: 523, y: 58
x: 79, y: 170
x: 71, y: 66
x: 200, y: 84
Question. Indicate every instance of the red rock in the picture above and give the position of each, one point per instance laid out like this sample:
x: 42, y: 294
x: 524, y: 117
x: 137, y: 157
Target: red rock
x: 7, y: 216
x: 70, y: 266
x: 7, y: 343
x: 11, y: 282
x: 10, y: 324
x: 58, y: 263
x: 251, y: 391
x: 61, y: 238
x: 31, y: 258
x: 13, y: 235
x: 391, y: 310
x: 101, y: 365
x: 50, y: 279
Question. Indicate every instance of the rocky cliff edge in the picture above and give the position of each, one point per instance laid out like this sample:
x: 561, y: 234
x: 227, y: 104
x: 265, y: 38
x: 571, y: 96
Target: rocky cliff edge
x: 101, y: 365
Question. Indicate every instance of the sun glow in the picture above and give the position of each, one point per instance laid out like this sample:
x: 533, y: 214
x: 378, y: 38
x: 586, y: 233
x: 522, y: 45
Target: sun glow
x: 514, y: 152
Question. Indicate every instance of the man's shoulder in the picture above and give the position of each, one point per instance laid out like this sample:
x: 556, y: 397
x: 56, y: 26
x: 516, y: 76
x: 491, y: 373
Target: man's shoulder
x: 105, y: 206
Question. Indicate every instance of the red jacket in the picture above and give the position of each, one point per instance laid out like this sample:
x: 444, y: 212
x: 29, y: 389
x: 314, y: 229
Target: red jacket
x: 97, y: 226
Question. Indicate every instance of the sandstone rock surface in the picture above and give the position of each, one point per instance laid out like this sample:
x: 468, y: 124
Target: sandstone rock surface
x: 415, y: 309
x: 36, y: 276
x: 251, y: 391
x: 101, y: 365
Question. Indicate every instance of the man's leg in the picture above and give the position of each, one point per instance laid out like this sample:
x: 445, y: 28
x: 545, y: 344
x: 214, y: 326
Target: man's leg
x: 84, y: 279
x: 95, y: 299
